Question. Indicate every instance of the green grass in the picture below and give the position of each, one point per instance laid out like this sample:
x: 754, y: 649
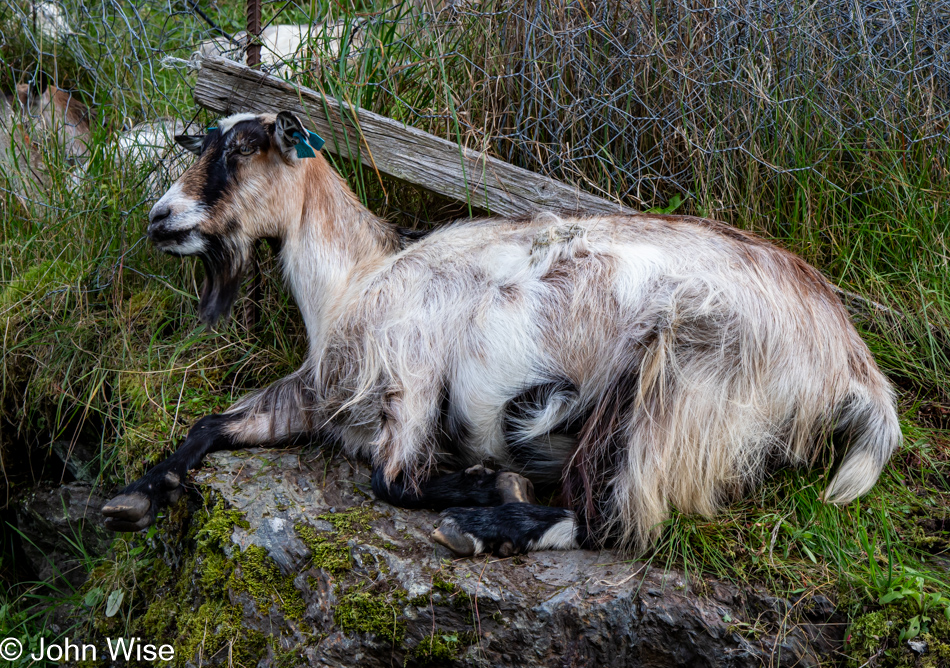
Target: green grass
x: 101, y: 342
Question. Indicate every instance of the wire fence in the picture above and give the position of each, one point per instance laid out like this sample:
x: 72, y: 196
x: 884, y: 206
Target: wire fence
x: 642, y: 100
x: 638, y: 101
x: 745, y: 110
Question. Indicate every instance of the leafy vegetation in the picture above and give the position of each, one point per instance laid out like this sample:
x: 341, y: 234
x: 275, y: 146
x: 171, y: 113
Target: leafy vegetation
x: 101, y: 343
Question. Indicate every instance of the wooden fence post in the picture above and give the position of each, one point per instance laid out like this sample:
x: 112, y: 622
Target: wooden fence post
x: 254, y: 33
x: 252, y: 311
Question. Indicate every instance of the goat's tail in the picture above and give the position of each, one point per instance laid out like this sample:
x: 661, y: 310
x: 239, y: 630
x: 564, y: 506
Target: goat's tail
x: 868, y: 421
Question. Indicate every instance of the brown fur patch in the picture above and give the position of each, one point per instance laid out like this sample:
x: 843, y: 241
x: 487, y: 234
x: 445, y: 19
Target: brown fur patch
x: 75, y: 113
x: 193, y: 180
x: 509, y: 292
x: 715, y: 226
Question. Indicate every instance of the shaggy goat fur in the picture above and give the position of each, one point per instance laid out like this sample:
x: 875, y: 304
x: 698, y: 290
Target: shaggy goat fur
x: 632, y: 362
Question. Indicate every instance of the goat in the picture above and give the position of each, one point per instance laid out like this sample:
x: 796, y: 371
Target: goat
x: 32, y: 123
x: 626, y: 364
x: 36, y: 127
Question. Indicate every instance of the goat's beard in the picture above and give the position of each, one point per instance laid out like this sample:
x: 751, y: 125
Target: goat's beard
x: 224, y: 268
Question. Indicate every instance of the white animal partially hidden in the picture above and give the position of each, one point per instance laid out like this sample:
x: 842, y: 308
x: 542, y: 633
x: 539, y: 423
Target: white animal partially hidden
x: 151, y: 146
x: 50, y: 20
x: 626, y: 363
x: 286, y: 46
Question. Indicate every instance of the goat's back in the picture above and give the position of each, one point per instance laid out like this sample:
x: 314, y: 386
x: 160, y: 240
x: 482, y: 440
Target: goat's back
x: 695, y: 357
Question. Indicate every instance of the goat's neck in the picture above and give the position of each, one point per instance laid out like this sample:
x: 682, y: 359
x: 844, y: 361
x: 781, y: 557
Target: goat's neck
x: 329, y: 250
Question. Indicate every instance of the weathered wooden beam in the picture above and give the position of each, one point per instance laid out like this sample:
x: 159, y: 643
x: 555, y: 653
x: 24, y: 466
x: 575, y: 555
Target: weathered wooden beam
x: 392, y: 148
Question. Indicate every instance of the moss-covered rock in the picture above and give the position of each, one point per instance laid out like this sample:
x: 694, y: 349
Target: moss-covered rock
x: 441, y: 647
x: 895, y: 636
x: 366, y: 611
x: 285, y: 560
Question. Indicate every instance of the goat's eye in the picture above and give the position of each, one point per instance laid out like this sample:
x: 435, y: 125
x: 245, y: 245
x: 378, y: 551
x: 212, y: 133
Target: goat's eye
x: 246, y: 150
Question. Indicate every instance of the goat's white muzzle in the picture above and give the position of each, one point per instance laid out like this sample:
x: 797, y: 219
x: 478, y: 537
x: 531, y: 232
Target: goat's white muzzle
x: 173, y: 224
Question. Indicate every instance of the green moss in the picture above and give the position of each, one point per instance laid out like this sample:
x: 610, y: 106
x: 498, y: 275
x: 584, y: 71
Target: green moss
x: 330, y: 549
x: 215, y: 629
x: 441, y: 584
x: 357, y: 610
x: 38, y: 280
x: 442, y: 646
x: 260, y: 577
x: 368, y: 612
x: 878, y: 635
x: 149, y: 306
x: 214, y: 569
x: 251, y: 571
x: 919, y: 538
x: 351, y: 521
x: 938, y: 650
x: 216, y: 530
x: 195, y: 611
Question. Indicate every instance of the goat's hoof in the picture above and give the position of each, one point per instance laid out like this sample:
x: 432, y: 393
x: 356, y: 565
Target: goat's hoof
x: 449, y: 535
x: 121, y: 525
x: 478, y: 469
x: 127, y: 508
x: 514, y: 488
x: 506, y: 549
x: 175, y: 494
x: 172, y: 480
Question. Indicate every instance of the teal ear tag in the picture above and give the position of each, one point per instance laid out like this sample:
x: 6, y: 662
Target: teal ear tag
x: 305, y: 148
x: 316, y: 141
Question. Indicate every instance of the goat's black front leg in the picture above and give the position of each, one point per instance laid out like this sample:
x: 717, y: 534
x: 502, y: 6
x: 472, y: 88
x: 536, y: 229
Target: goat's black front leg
x: 475, y: 486
x: 276, y: 414
x: 136, y: 506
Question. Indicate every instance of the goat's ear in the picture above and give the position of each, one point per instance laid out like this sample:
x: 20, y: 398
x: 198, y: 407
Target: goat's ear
x: 288, y: 132
x: 190, y: 142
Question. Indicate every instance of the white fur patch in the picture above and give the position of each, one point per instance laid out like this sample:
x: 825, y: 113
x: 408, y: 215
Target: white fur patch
x: 479, y: 545
x: 186, y: 213
x: 188, y: 219
x: 559, y: 537
x: 638, y: 266
x: 226, y: 124
x: 192, y: 245
x: 857, y: 475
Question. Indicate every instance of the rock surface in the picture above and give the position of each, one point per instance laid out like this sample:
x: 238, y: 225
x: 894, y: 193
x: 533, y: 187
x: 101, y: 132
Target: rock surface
x: 61, y: 529
x: 399, y: 599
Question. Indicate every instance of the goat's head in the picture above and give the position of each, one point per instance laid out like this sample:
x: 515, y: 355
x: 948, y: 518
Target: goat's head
x: 232, y: 195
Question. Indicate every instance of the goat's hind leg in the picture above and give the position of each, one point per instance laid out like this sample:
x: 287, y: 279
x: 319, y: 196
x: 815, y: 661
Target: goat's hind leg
x: 505, y: 521
x: 511, y: 528
x: 273, y: 415
x: 475, y: 486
